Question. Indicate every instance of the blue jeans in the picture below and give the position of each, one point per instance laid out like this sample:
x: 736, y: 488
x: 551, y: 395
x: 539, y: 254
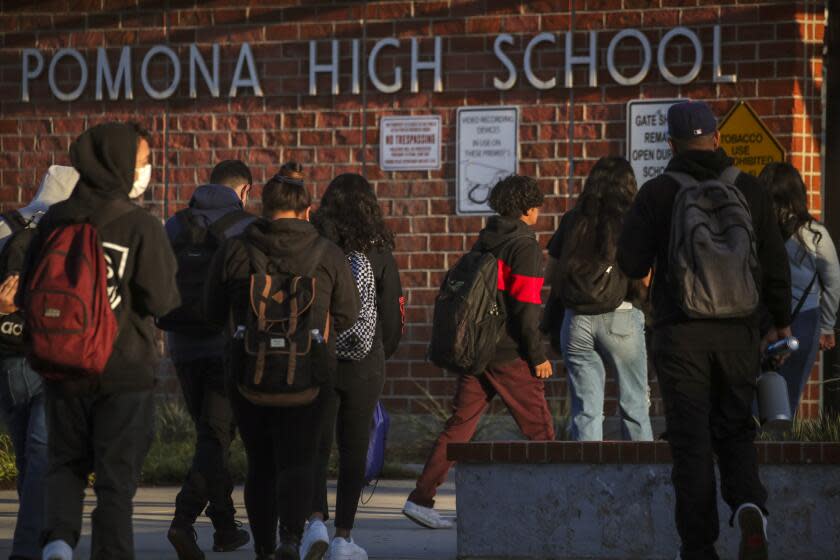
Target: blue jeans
x: 22, y: 404
x: 590, y: 341
x: 797, y: 368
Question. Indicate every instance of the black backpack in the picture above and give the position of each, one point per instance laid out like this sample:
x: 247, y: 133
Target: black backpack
x: 285, y: 357
x: 712, y: 257
x: 194, y: 248
x: 11, y: 262
x: 469, y: 315
x: 589, y: 285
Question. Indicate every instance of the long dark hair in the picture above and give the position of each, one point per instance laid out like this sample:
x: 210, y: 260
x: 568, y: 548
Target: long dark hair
x: 607, y: 194
x: 790, y: 199
x: 350, y: 215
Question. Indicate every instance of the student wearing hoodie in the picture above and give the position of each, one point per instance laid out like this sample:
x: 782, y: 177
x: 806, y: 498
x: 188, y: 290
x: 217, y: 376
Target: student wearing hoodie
x: 520, y: 365
x: 280, y: 442
x: 215, y: 209
x: 707, y: 368
x: 105, y: 424
x: 21, y: 389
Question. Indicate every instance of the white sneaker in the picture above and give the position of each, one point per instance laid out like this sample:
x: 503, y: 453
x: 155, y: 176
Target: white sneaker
x: 57, y: 550
x: 425, y: 517
x: 753, y: 526
x: 315, y: 541
x: 346, y: 549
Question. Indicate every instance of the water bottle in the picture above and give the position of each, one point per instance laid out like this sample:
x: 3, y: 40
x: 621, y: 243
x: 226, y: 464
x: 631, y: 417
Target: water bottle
x: 774, y: 411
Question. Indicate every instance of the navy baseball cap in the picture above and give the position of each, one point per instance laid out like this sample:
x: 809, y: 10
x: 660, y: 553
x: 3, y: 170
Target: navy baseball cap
x: 690, y: 120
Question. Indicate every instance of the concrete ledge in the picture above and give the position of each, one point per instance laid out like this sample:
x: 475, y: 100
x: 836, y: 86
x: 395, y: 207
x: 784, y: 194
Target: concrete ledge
x: 614, y: 500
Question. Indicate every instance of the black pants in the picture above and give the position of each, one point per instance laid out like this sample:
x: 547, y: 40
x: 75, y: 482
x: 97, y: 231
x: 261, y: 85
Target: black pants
x: 708, y: 398
x: 110, y: 436
x: 280, y: 445
x: 346, y: 414
x: 209, y: 480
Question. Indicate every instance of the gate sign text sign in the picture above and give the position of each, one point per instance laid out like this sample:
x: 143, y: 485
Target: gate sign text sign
x: 647, y: 137
x: 488, y: 144
x: 747, y: 140
x: 409, y: 143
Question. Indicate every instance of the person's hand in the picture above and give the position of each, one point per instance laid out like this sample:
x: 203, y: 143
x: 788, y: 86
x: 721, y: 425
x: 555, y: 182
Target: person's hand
x: 8, y: 292
x: 544, y: 370
x: 774, y: 334
x: 827, y: 341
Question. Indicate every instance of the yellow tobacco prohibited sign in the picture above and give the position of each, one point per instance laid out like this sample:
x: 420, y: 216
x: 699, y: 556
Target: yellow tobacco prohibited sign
x: 748, y: 141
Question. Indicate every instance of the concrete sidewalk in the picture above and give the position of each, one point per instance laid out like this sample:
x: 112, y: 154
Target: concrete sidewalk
x: 380, y: 526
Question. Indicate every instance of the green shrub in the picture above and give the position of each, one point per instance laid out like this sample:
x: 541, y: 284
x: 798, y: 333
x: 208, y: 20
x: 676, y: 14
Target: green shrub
x: 825, y: 428
x: 8, y: 468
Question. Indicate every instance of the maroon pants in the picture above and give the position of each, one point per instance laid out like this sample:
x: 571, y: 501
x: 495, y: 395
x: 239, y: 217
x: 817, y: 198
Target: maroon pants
x: 522, y: 393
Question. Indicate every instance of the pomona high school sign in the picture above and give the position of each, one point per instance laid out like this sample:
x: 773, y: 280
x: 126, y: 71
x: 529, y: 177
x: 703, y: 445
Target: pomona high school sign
x: 116, y: 82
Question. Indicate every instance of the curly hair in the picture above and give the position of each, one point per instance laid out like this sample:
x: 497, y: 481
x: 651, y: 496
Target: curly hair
x: 514, y: 195
x: 350, y: 215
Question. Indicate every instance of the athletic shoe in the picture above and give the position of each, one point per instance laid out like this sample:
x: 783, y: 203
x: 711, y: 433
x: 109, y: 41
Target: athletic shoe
x: 184, y: 540
x: 315, y: 541
x: 346, y: 549
x: 753, y: 526
x: 425, y: 517
x: 230, y: 540
x: 57, y: 550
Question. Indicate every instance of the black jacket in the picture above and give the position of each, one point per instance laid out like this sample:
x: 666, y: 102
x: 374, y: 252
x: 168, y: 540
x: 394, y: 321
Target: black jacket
x: 645, y: 238
x: 292, y: 241
x: 520, y: 259
x: 141, y: 265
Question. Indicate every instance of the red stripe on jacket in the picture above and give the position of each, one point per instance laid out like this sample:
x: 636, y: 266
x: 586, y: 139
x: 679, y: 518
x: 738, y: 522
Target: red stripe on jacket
x: 521, y: 288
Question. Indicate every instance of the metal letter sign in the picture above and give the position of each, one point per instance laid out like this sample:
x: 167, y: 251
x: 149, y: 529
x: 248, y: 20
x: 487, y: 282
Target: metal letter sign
x: 647, y: 137
x: 488, y: 151
x: 747, y: 140
x: 409, y: 143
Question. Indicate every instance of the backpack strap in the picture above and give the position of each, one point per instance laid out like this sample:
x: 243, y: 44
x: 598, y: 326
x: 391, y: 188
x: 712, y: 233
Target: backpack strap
x: 218, y: 228
x: 684, y: 179
x: 729, y: 175
x: 15, y: 220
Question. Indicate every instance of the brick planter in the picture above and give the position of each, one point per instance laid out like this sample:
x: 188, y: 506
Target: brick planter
x: 568, y: 500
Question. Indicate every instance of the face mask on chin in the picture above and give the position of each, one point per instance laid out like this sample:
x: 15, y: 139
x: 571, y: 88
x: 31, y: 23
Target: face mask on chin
x: 144, y: 175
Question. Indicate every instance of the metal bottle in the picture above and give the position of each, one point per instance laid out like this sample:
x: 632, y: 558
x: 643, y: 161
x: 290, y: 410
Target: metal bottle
x: 774, y: 410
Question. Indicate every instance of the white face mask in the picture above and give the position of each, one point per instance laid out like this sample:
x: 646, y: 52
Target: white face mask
x: 144, y: 175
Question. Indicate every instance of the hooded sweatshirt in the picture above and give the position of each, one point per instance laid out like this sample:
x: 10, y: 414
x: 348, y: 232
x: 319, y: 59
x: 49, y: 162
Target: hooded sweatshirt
x: 520, y: 261
x: 298, y: 248
x: 210, y: 203
x: 141, y: 266
x: 644, y: 243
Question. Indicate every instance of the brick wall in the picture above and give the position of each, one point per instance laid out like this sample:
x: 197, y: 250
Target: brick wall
x: 773, y: 46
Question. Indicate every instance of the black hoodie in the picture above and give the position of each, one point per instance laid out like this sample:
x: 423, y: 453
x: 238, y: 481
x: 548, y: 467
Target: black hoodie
x: 645, y: 236
x: 141, y: 266
x: 520, y: 260
x: 293, y: 241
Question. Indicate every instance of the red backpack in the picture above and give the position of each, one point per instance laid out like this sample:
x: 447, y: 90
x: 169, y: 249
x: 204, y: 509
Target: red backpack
x: 70, y: 327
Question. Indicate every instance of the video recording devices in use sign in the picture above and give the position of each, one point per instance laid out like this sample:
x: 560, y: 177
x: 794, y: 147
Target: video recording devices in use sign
x: 409, y: 143
x: 488, y: 144
x: 647, y: 137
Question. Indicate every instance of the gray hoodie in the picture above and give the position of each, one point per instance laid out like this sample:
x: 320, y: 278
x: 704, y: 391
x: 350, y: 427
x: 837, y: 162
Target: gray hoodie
x: 820, y: 257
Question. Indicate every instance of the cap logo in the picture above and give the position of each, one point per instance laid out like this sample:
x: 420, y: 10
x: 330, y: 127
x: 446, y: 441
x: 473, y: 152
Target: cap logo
x: 698, y: 132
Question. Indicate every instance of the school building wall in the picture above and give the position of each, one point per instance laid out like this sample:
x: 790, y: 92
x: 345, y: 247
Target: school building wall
x: 774, y: 48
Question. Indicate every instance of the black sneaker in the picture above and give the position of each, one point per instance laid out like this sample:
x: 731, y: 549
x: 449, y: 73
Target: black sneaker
x: 288, y: 551
x: 231, y: 539
x: 184, y: 540
x: 753, y: 533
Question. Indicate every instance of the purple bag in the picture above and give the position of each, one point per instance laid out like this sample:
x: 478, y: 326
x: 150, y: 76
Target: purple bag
x: 376, y: 444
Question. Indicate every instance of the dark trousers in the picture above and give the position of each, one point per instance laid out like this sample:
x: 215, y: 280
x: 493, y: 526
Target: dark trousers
x: 708, y: 398
x: 209, y: 480
x: 108, y: 435
x: 346, y: 415
x: 522, y: 393
x: 280, y: 445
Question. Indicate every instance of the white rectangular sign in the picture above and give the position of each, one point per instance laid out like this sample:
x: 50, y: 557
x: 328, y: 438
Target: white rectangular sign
x: 647, y: 137
x: 488, y: 151
x: 409, y: 143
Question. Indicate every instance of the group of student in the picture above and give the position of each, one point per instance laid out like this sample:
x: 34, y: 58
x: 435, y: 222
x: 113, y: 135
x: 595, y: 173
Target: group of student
x: 279, y: 327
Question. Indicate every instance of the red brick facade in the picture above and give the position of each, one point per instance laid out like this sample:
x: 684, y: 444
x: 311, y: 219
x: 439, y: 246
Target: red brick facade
x: 774, y: 47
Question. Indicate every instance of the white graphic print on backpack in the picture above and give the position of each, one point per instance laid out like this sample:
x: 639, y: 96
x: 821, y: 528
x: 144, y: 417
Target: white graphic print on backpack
x: 355, y: 343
